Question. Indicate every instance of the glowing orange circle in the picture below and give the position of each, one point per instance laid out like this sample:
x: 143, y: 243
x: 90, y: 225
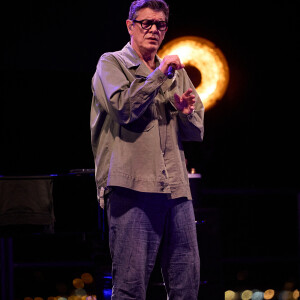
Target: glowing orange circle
x: 269, y: 294
x: 78, y: 283
x: 208, y: 59
x: 87, y: 278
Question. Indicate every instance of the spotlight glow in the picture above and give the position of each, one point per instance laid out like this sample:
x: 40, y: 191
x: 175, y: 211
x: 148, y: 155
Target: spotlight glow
x: 230, y: 295
x: 80, y: 293
x: 296, y: 294
x: 257, y: 295
x: 246, y: 295
x: 269, y: 294
x: 78, y: 283
x: 87, y: 278
x: 208, y: 60
x: 285, y: 295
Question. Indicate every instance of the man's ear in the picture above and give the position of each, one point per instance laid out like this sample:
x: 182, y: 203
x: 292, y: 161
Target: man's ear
x: 129, y: 25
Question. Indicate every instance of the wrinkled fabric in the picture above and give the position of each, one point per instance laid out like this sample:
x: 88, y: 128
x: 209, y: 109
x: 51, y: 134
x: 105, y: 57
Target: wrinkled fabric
x: 141, y: 225
x: 136, y: 131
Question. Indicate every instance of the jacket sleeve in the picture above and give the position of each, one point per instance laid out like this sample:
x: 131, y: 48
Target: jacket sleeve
x: 191, y: 126
x: 123, y: 95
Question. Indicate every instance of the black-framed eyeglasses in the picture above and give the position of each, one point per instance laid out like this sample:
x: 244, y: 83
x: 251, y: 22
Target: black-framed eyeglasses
x: 147, y: 24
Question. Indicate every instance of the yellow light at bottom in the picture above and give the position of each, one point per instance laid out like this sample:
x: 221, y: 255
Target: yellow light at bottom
x: 296, y: 294
x: 87, y: 278
x: 246, y: 295
x: 78, y: 283
x: 269, y: 294
x: 230, y: 295
x: 208, y: 60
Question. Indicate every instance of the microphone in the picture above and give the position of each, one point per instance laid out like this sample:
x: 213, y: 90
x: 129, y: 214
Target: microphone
x: 171, y: 71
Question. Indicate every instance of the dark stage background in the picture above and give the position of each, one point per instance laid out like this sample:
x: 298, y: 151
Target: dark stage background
x: 49, y: 53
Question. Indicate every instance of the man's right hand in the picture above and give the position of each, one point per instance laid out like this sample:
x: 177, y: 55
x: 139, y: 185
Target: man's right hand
x: 170, y: 60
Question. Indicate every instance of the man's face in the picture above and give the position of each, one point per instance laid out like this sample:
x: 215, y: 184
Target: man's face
x: 146, y: 41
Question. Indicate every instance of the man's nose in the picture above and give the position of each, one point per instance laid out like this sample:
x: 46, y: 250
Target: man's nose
x: 154, y: 28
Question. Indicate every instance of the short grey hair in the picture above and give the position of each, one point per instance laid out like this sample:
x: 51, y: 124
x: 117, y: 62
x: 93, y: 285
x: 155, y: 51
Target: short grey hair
x: 158, y: 5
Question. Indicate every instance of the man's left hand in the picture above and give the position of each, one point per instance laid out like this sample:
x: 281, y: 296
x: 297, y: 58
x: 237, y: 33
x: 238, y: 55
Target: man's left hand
x: 186, y: 102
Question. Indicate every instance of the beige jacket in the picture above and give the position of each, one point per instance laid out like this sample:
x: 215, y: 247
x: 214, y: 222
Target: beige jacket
x: 136, y: 131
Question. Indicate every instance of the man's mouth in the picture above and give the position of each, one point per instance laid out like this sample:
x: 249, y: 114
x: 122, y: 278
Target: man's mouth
x: 153, y: 39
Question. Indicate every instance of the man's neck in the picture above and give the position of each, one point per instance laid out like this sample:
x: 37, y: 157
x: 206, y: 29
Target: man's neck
x: 147, y: 57
x: 149, y: 61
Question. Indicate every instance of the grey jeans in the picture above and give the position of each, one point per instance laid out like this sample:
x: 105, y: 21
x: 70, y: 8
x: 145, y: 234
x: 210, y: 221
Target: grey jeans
x: 141, y: 225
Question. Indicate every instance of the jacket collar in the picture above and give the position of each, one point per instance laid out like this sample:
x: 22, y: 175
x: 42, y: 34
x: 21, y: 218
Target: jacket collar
x: 132, y: 60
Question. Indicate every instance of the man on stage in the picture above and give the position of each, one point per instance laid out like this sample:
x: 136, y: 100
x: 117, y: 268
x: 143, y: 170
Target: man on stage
x: 143, y: 108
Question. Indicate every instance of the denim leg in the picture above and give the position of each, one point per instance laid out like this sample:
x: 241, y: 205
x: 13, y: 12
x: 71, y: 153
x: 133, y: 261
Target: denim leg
x: 180, y: 255
x: 136, y: 224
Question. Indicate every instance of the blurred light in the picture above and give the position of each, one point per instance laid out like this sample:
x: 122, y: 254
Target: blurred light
x: 285, y: 295
x: 229, y: 295
x: 78, y: 283
x: 87, y: 278
x: 107, y: 277
x: 107, y: 292
x: 62, y: 298
x: 28, y: 298
x: 269, y: 294
x: 73, y: 297
x: 296, y: 294
x: 208, y: 66
x: 38, y: 298
x: 80, y: 292
x: 257, y: 295
x: 93, y: 297
x: 246, y: 295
